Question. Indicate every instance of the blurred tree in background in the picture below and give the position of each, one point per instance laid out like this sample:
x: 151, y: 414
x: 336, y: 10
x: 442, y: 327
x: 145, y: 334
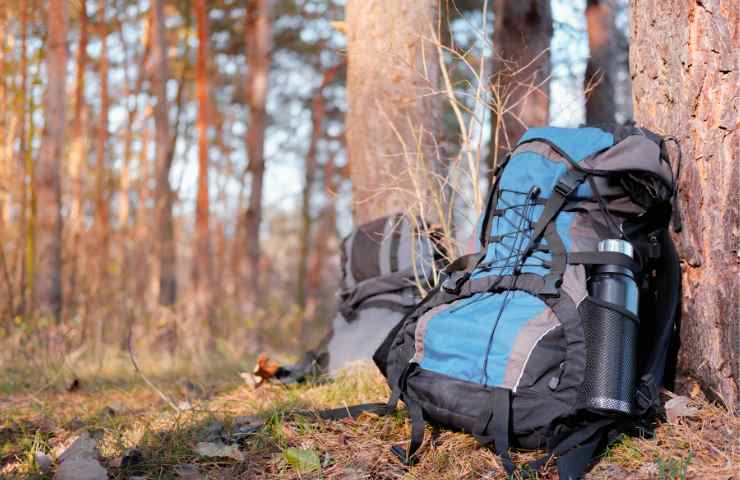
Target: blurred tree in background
x: 184, y: 170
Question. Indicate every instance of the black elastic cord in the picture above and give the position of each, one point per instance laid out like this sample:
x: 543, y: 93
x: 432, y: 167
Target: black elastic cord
x: 615, y: 231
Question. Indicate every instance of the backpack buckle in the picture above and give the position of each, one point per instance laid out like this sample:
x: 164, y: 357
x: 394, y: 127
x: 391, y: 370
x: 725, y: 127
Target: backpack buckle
x: 551, y: 288
x: 568, y: 182
x: 454, y: 282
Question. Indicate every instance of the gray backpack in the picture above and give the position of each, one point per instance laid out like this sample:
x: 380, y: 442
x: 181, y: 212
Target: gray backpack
x: 383, y: 264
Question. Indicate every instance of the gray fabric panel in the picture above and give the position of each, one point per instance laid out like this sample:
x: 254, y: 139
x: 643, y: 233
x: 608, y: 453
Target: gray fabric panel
x: 542, y: 148
x: 357, y: 341
x: 385, y: 246
x: 421, y: 330
x: 574, y: 283
x: 405, y: 246
x: 635, y: 152
x: 583, y: 239
x: 525, y: 342
x: 349, y: 279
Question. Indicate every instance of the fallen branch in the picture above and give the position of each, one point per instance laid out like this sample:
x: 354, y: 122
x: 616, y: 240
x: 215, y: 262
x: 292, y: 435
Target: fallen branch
x: 132, y: 357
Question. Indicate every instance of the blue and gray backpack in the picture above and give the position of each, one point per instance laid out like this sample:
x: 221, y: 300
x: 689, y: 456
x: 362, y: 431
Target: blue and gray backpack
x: 515, y: 346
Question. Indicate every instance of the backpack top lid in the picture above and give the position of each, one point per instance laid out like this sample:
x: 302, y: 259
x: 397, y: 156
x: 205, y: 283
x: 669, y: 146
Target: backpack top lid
x: 626, y: 169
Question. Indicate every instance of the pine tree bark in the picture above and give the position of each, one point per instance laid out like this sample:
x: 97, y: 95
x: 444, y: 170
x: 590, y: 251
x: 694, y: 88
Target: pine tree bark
x: 521, y: 64
x: 602, y: 66
x: 77, y: 161
x: 686, y: 83
x: 258, y: 39
x: 318, y: 111
x: 102, y: 213
x: 305, y: 297
x: 47, y: 283
x: 163, y: 146
x: 202, y: 270
x: 393, y: 116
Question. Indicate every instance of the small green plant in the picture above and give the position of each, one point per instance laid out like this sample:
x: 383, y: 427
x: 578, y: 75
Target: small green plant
x: 673, y: 468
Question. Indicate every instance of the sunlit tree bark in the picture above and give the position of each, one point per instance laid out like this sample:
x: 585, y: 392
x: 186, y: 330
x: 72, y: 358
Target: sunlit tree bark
x: 318, y: 111
x: 164, y: 196
x: 521, y: 65
x: 603, y: 62
x: 258, y: 40
x: 393, y: 115
x: 47, y: 284
x: 202, y: 270
x: 77, y: 162
x: 686, y: 83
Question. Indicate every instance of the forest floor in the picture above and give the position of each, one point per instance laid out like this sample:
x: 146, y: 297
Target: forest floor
x: 227, y: 429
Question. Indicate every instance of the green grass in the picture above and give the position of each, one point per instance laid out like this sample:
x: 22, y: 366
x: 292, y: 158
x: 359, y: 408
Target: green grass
x: 124, y: 414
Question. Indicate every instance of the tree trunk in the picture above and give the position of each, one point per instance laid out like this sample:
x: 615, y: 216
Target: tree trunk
x: 521, y: 82
x: 77, y: 162
x: 48, y: 288
x: 318, y: 111
x: 602, y: 66
x: 258, y: 39
x: 102, y: 214
x: 163, y: 146
x: 684, y: 60
x: 393, y: 115
x: 202, y: 271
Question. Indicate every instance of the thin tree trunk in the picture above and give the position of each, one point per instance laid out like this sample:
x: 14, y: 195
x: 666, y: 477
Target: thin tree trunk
x: 521, y: 81
x: 326, y: 232
x: 48, y: 289
x: 602, y: 66
x: 102, y: 214
x: 258, y: 39
x: 392, y: 118
x: 686, y: 83
x: 163, y: 146
x: 102, y: 208
x: 318, y: 110
x: 24, y: 158
x: 77, y: 161
x: 202, y: 269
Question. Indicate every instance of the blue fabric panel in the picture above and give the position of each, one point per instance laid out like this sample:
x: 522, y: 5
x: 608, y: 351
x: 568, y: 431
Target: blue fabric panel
x: 524, y: 171
x: 578, y: 143
x: 456, y: 339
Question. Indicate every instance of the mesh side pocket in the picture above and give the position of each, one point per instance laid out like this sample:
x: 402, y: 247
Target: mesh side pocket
x: 611, y: 360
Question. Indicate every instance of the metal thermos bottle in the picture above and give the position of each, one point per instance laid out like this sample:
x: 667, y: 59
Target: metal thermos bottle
x: 611, y: 336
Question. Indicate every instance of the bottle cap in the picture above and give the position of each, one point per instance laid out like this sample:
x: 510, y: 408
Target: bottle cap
x: 616, y: 245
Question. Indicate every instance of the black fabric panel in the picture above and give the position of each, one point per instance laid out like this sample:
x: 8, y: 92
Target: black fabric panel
x: 395, y: 242
x: 659, y: 313
x: 352, y: 299
x: 536, y: 405
x: 459, y: 405
x: 365, y: 261
x: 571, y: 379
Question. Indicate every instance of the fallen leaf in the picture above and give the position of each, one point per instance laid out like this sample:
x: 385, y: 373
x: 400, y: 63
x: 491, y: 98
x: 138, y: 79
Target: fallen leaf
x: 678, y: 407
x: 302, y: 460
x: 74, y: 385
x: 211, y: 449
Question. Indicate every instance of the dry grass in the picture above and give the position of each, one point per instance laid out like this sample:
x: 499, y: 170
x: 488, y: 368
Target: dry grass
x: 126, y: 415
